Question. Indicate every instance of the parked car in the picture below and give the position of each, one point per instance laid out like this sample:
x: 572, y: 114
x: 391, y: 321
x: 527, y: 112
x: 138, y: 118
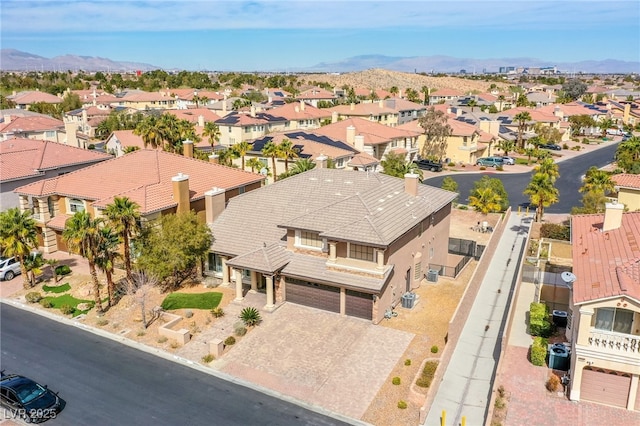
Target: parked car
x: 551, y: 146
x: 9, y: 268
x: 433, y: 166
x: 490, y: 162
x: 508, y: 160
x: 27, y: 399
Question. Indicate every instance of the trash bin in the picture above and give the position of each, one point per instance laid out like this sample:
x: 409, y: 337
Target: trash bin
x: 560, y: 318
x: 558, y: 357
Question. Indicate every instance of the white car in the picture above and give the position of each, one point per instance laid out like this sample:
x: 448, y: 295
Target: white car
x: 9, y: 268
x: 508, y: 160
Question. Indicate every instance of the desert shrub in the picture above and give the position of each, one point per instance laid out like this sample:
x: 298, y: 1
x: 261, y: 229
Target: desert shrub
x: 395, y: 380
x: 500, y: 168
x: 555, y: 231
x: 250, y: 316
x: 33, y: 297
x: 115, y: 325
x: 67, y: 309
x: 140, y: 333
x: 162, y: 339
x: 402, y: 405
x: 483, y: 168
x: 217, y: 312
x: 585, y: 141
x: 451, y: 164
x: 539, y: 324
x: 46, y: 303
x: 62, y: 270
x: 91, y: 146
x: 208, y: 358
x: 434, y: 349
x: 102, y: 322
x: 565, y: 146
x: 500, y: 403
x: 239, y: 329
x: 539, y: 351
x: 193, y: 328
x: 429, y: 370
x: 553, y: 384
x: 463, y: 207
x: 501, y: 391
x: 188, y: 313
x: 407, y: 362
x: 174, y: 344
x: 230, y: 341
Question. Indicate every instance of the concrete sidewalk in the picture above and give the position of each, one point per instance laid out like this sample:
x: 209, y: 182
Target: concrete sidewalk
x: 466, y: 386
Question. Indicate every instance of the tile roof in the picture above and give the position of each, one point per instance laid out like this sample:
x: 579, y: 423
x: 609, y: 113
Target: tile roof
x: 266, y: 259
x: 446, y: 92
x: 606, y: 264
x: 316, y: 93
x: 58, y: 222
x: 363, y: 159
x: 31, y: 124
x: 145, y: 177
x: 33, y: 96
x: 192, y: 114
x: 300, y: 111
x: 235, y: 118
x: 128, y: 138
x: 308, y: 143
x: 374, y: 133
x: 538, y: 114
x: 347, y: 205
x: 141, y: 96
x: 626, y: 180
x: 23, y: 158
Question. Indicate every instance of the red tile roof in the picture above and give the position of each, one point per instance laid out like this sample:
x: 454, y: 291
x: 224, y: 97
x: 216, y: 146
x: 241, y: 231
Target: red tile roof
x: 374, y: 133
x: 128, y: 138
x: 446, y: 92
x: 31, y: 97
x: 31, y: 124
x: 606, y: 264
x: 192, y: 114
x: 23, y: 158
x: 316, y: 93
x: 300, y: 111
x: 145, y: 177
x: 627, y: 180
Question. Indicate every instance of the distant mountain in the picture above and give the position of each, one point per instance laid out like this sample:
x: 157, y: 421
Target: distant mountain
x: 15, y: 60
x: 441, y: 63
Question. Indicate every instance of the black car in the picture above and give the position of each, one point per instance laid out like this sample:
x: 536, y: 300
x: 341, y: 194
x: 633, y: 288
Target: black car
x: 429, y: 165
x: 551, y: 146
x: 26, y: 399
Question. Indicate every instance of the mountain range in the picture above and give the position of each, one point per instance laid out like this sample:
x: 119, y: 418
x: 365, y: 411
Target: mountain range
x: 15, y: 60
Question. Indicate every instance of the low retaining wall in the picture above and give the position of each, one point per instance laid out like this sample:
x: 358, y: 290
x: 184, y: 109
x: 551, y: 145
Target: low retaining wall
x: 182, y: 336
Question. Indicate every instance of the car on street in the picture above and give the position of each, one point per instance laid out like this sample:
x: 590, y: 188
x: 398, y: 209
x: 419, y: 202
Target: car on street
x: 490, y: 162
x: 551, y: 146
x: 25, y: 399
x: 510, y: 161
x: 9, y: 268
x: 430, y: 165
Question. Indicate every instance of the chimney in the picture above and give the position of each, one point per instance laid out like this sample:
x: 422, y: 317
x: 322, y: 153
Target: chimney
x: 612, y: 216
x: 214, y: 203
x: 448, y: 110
x: 411, y: 184
x: 321, y: 161
x: 359, y: 143
x: 626, y: 114
x: 301, y: 105
x: 296, y: 109
x: 84, y: 116
x: 201, y: 121
x: 352, y: 106
x: 334, y: 117
x: 381, y: 103
x: 7, y: 119
x: 70, y: 129
x: 181, y: 192
x: 253, y: 111
x: 351, y: 135
x: 187, y: 148
x: 213, y: 158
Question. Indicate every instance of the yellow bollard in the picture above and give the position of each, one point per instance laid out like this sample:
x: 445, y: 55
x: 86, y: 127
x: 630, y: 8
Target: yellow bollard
x: 443, y: 419
x: 527, y: 210
x: 519, y: 208
x: 464, y: 421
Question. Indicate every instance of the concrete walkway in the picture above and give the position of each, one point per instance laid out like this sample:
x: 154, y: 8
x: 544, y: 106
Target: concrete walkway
x: 466, y: 386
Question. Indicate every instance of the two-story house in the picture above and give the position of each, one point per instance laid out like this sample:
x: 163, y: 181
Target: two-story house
x: 237, y: 127
x: 345, y: 242
x: 300, y: 115
x: 141, y: 100
x: 316, y: 95
x: 627, y: 188
x: 160, y: 182
x: 27, y: 98
x: 441, y: 96
x: 604, y: 315
x: 38, y: 126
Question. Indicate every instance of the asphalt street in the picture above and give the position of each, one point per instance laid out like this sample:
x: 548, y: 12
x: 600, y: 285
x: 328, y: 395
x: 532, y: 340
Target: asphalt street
x: 104, y: 382
x: 571, y: 172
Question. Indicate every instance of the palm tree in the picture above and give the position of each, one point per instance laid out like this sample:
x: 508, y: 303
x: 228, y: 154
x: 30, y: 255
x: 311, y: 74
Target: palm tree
x: 485, y: 200
x: 472, y: 103
x: 287, y: 151
x: 148, y: 130
x: 302, y: 165
x: 18, y: 237
x: 212, y: 131
x: 254, y: 163
x: 33, y: 265
x: 605, y: 124
x: 82, y: 234
x: 522, y: 118
x: 506, y: 146
x: 271, y: 150
x: 124, y: 216
x: 425, y: 90
x: 549, y: 168
x: 105, y: 259
x: 596, y: 180
x: 501, y: 99
x: 241, y: 149
x: 226, y: 156
x: 541, y: 193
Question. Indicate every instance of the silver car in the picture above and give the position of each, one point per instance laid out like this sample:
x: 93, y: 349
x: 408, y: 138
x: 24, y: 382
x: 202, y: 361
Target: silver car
x: 510, y: 161
x: 9, y: 268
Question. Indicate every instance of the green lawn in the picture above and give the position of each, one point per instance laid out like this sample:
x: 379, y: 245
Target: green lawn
x: 208, y: 300
x: 57, y: 288
x: 67, y: 299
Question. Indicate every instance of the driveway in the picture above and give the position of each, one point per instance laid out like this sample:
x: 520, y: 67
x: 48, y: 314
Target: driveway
x: 324, y: 359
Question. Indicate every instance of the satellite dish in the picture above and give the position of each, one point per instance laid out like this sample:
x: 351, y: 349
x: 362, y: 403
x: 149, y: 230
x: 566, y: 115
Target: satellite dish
x: 568, y: 277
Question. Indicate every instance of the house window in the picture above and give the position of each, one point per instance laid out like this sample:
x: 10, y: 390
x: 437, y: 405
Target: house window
x: 241, y: 190
x: 247, y: 129
x: 76, y: 205
x: 50, y: 134
x: 614, y: 319
x: 214, y: 263
x: 394, y: 144
x: 309, y: 239
x: 340, y: 163
x: 357, y: 251
x: 230, y: 129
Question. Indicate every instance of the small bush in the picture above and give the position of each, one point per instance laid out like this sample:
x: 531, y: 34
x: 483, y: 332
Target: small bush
x: 434, y: 349
x: 102, y: 322
x: 67, y: 309
x: 230, y: 341
x: 402, y: 405
x: 63, y: 270
x: 162, y: 339
x: 395, y: 381
x: 174, y: 344
x: 193, y: 328
x: 539, y: 324
x: 407, y: 362
x: 501, y: 391
x: 555, y: 231
x: 188, y: 313
x: 141, y: 333
x: 500, y: 168
x: 33, y: 297
x: 46, y: 303
x: 217, y: 312
x: 483, y: 168
x: 91, y: 146
x: 565, y: 146
x: 428, y: 372
x: 115, y: 325
x: 585, y: 141
x: 539, y: 351
x: 240, y: 330
x: 463, y: 207
x: 553, y: 384
x: 208, y: 358
x: 451, y: 164
x: 250, y: 316
x: 500, y: 403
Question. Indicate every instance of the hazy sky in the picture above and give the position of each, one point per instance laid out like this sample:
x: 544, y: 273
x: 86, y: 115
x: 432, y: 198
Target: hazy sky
x: 280, y: 34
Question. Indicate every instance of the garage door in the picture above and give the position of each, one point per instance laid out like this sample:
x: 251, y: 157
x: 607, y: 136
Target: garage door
x: 359, y: 304
x: 605, y: 387
x: 313, y: 294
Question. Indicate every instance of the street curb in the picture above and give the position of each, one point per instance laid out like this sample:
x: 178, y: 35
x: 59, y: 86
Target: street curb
x: 184, y: 362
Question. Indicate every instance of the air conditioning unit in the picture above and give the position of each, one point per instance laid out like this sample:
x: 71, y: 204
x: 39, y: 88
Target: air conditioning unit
x: 432, y: 275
